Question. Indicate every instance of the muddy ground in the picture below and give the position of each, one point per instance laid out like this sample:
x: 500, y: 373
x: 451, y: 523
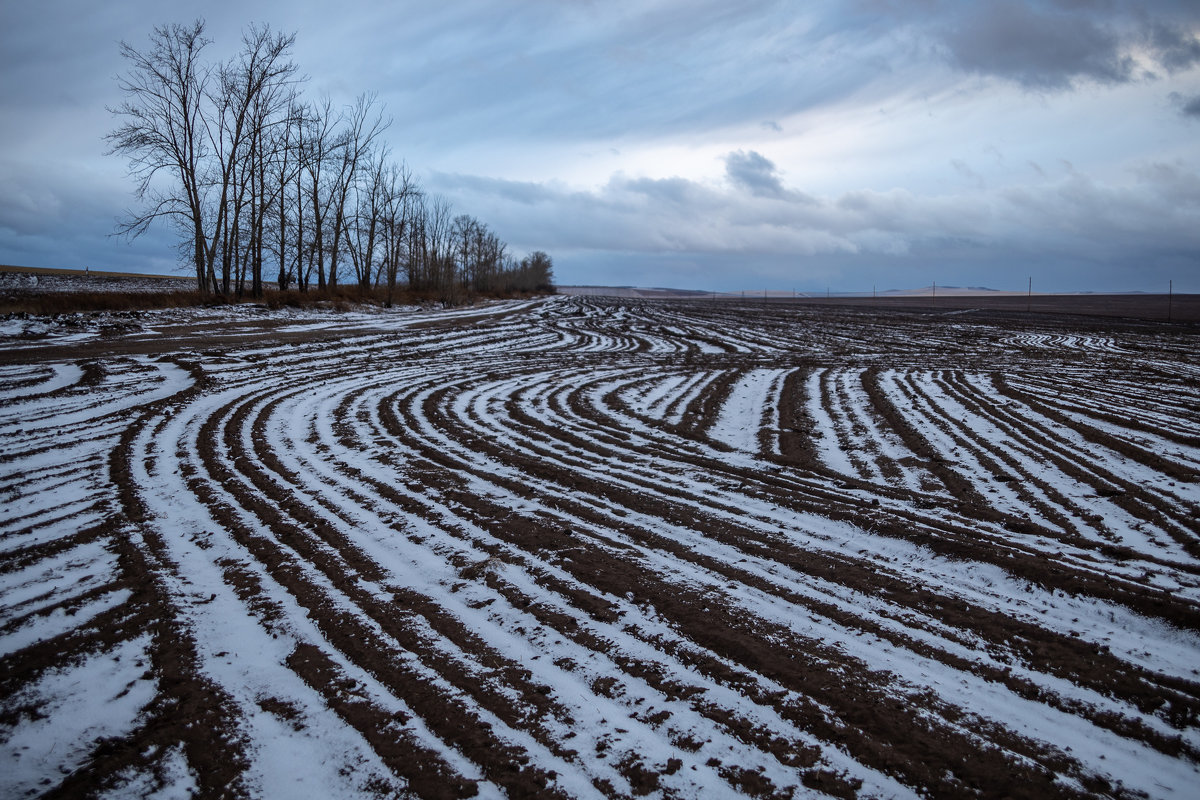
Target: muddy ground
x: 596, y: 548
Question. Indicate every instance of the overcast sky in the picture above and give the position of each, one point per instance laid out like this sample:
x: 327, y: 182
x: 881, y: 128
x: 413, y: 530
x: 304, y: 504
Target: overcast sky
x: 709, y: 145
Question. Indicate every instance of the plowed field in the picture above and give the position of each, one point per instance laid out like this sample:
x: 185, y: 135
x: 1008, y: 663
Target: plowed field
x: 577, y: 548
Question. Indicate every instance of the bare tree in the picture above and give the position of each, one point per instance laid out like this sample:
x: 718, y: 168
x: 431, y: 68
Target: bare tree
x: 418, y: 245
x: 439, y: 255
x: 268, y: 154
x: 317, y: 147
x: 363, y: 125
x: 189, y: 133
x: 462, y: 230
x: 401, y: 197
x: 282, y: 169
x: 363, y: 227
x: 488, y: 257
x: 244, y: 80
x: 233, y: 158
x: 535, y: 274
x: 162, y: 134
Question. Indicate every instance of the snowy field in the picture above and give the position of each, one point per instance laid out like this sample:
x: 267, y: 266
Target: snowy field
x: 15, y: 282
x: 598, y: 548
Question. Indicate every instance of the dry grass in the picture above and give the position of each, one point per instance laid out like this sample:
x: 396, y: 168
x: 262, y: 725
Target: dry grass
x: 70, y: 302
x: 341, y: 298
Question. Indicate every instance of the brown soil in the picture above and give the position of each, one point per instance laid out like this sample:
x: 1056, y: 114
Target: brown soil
x: 625, y: 551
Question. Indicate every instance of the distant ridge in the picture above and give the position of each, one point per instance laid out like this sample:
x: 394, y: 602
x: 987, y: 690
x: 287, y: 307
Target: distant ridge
x: 86, y: 272
x: 662, y: 292
x: 750, y: 294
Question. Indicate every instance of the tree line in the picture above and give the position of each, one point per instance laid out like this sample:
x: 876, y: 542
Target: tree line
x: 261, y: 182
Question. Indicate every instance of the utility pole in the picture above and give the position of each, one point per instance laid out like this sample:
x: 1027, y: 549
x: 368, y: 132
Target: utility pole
x: 1029, y: 296
x: 1170, y: 297
x: 935, y: 293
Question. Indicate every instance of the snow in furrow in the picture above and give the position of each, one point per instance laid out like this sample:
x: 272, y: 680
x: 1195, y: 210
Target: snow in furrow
x: 741, y: 417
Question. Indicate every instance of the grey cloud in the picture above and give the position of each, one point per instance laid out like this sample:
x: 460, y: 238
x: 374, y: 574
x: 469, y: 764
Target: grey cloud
x: 1173, y: 182
x: 1051, y: 45
x: 1037, y: 48
x: 63, y: 215
x: 678, y: 215
x: 753, y: 172
x: 1150, y: 220
x: 675, y: 191
x: 1176, y: 49
x: 1188, y: 106
x: 1080, y: 220
x: 521, y: 192
x: 619, y: 70
x: 916, y: 217
x: 573, y: 69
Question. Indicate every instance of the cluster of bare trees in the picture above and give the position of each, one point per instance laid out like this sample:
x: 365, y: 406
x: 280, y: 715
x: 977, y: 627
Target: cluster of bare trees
x: 258, y: 179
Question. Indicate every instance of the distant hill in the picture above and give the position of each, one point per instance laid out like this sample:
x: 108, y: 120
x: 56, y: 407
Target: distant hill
x: 86, y: 273
x: 665, y: 293
x: 924, y: 291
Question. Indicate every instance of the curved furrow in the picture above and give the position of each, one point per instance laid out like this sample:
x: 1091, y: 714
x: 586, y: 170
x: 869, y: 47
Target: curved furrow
x: 548, y: 606
x: 1159, y: 486
x: 1175, y: 437
x: 1066, y: 341
x: 82, y: 624
x: 793, y: 490
x: 746, y: 421
x: 517, y: 700
x: 1127, y: 502
x: 1057, y: 493
x: 500, y: 513
x: 615, y: 569
x: 559, y: 427
x: 426, y: 415
x: 841, y: 448
x: 24, y: 383
x: 604, y: 548
x: 711, y: 506
x: 556, y: 528
x: 1126, y: 407
x: 279, y: 615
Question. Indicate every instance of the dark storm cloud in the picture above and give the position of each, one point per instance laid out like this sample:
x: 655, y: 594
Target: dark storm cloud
x: 1174, y: 46
x: 1040, y: 48
x: 1052, y: 45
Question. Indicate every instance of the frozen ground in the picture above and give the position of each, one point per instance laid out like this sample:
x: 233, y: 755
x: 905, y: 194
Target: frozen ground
x: 598, y: 548
x: 15, y: 282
